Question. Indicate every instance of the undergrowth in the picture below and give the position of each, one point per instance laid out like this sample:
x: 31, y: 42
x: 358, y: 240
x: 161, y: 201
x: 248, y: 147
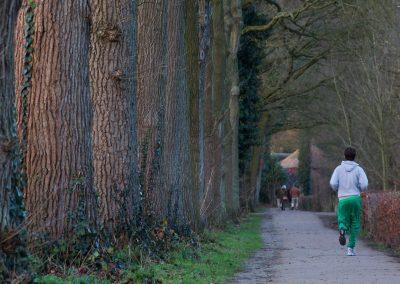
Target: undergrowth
x: 213, y: 258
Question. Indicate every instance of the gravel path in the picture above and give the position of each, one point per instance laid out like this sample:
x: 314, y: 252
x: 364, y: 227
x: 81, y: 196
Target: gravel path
x: 300, y: 249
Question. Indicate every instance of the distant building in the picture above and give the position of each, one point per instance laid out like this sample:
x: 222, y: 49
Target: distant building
x: 291, y: 163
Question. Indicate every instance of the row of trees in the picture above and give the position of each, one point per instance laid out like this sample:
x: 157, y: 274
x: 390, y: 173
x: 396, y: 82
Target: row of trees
x: 126, y: 113
x: 163, y: 144
x: 141, y: 112
x: 126, y: 109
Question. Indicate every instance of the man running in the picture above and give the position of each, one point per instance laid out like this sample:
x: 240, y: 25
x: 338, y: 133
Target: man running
x: 349, y: 180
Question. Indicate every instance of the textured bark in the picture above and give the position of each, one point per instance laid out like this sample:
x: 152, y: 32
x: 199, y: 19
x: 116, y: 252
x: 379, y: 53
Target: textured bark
x: 169, y: 111
x: 8, y: 140
x: 211, y: 176
x: 193, y: 69
x: 112, y: 77
x: 248, y: 195
x: 176, y: 156
x: 219, y: 113
x: 19, y: 54
x: 204, y: 88
x: 221, y: 190
x: 253, y: 188
x: 221, y: 194
x: 59, y: 193
x: 232, y: 9
x: 150, y: 104
x: 12, y: 249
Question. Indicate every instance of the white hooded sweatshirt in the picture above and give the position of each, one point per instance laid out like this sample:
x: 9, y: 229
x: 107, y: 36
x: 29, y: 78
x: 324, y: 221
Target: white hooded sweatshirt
x: 349, y: 179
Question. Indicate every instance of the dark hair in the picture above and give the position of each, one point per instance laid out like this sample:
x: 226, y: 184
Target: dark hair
x: 350, y: 154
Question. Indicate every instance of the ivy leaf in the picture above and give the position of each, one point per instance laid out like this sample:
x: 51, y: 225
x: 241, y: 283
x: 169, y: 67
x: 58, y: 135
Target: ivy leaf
x: 32, y: 4
x: 29, y: 41
x: 29, y: 17
x: 24, y: 91
x: 26, y: 70
x: 28, y: 58
x: 27, y: 28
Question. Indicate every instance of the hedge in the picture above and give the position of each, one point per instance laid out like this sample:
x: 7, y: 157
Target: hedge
x: 381, y: 218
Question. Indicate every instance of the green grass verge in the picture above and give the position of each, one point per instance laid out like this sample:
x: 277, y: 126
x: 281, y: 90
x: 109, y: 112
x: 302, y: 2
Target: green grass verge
x: 219, y: 255
x: 51, y: 279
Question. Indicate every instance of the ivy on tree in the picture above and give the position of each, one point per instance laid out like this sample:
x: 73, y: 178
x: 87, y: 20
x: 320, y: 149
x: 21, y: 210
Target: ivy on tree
x: 250, y: 57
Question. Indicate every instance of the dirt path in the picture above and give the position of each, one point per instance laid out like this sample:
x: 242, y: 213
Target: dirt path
x: 300, y: 249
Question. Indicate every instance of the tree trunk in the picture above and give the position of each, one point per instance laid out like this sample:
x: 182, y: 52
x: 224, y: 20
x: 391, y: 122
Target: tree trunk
x: 9, y: 160
x: 204, y: 84
x: 255, y: 175
x: 192, y: 43
x: 217, y: 105
x: 176, y: 156
x: 221, y: 176
x: 150, y: 105
x: 59, y: 193
x: 168, y: 115
x: 112, y: 81
x: 232, y: 9
x: 11, y: 183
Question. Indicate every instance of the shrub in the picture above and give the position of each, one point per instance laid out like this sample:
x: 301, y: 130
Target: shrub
x: 306, y: 203
x: 272, y: 177
x: 381, y: 218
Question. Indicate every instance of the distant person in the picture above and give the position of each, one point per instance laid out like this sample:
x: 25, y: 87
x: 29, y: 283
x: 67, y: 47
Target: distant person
x: 349, y: 180
x: 295, y: 192
x: 279, y: 194
x: 285, y: 198
x: 289, y: 196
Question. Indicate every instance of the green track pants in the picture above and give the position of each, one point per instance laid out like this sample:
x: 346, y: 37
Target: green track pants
x: 349, y: 211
